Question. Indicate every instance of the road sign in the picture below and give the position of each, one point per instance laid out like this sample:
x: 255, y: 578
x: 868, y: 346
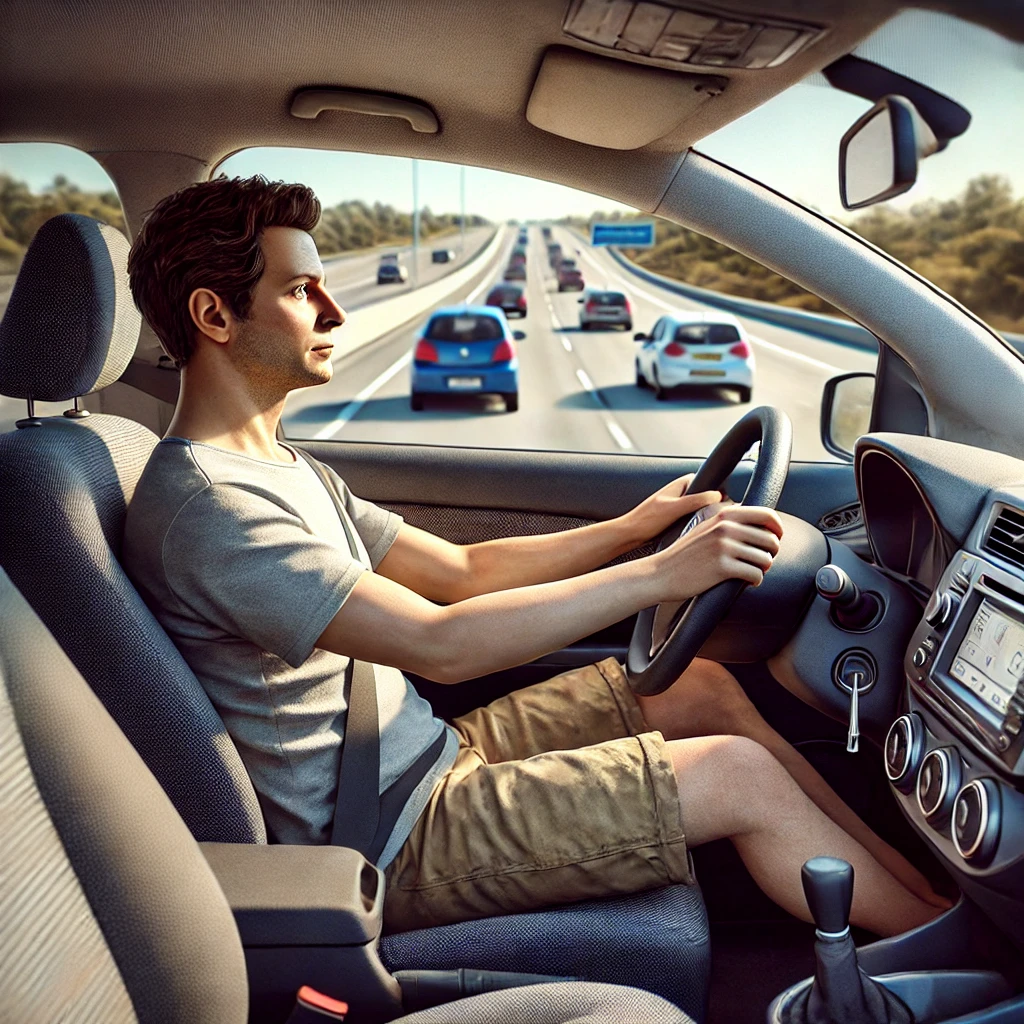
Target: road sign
x: 627, y: 235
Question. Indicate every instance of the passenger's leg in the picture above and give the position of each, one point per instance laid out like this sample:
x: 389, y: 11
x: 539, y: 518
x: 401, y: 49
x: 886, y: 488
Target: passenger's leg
x: 708, y: 701
x: 731, y: 787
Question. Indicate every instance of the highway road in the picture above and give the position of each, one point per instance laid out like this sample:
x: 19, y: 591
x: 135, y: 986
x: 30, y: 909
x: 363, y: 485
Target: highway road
x: 577, y: 390
x: 352, y: 280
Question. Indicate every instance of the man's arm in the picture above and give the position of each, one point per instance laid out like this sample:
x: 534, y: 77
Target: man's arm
x: 445, y: 572
x: 386, y: 623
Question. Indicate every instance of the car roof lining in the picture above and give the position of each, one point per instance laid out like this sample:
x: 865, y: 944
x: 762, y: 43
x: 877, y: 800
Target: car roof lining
x: 201, y: 82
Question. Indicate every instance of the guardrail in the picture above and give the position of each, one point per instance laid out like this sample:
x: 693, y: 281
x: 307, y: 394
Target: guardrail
x: 816, y: 324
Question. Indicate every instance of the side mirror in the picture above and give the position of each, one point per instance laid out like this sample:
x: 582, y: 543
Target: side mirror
x: 519, y: 335
x: 580, y: 301
x: 639, y: 336
x: 846, y: 404
x: 878, y: 156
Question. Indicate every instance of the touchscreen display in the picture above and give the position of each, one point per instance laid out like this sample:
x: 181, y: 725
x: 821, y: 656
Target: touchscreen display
x: 991, y: 659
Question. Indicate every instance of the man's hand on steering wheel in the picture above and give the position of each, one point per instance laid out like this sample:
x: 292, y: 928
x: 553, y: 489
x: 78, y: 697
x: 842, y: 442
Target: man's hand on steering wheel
x: 653, y: 516
x: 736, y: 542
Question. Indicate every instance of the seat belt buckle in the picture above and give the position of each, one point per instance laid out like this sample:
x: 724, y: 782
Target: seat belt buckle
x: 312, y: 1007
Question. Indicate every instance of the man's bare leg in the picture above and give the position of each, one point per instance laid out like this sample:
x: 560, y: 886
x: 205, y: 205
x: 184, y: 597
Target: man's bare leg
x: 731, y: 787
x: 707, y: 700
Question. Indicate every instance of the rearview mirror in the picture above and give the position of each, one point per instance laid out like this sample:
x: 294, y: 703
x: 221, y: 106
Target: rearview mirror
x: 878, y: 156
x: 519, y: 335
x: 639, y: 336
x: 846, y: 404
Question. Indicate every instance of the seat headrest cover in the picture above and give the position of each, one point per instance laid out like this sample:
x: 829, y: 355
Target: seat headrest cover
x: 71, y: 326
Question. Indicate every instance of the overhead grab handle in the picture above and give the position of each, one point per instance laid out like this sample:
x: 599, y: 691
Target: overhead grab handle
x: 311, y: 102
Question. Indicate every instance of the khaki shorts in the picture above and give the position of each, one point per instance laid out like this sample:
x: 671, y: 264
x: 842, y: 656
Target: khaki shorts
x: 559, y: 792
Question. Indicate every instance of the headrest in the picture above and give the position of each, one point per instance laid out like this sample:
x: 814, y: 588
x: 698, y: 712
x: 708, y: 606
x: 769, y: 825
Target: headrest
x: 71, y: 326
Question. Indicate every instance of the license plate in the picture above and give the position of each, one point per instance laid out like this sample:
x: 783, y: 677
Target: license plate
x: 465, y: 383
x: 711, y: 357
x: 707, y: 373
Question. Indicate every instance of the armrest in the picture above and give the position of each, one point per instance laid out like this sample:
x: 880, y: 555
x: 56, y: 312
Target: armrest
x: 299, y: 895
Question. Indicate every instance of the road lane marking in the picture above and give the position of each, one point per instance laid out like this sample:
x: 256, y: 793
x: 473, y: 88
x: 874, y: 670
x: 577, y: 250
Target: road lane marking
x: 581, y: 376
x: 349, y: 411
x: 621, y: 438
x: 566, y: 344
x: 795, y: 355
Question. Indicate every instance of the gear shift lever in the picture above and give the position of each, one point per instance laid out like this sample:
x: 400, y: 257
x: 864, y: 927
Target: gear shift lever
x: 828, y: 889
x: 841, y: 993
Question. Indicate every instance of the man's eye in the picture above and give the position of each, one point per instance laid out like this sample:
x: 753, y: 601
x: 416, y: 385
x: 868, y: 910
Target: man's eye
x: 299, y: 292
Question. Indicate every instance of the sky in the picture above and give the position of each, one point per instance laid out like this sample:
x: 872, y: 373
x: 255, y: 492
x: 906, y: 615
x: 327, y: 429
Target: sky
x: 790, y: 143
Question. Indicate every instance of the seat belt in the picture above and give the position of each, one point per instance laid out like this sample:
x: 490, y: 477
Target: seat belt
x: 357, y: 805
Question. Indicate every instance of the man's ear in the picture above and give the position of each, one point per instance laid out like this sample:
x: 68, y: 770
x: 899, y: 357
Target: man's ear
x: 211, y: 315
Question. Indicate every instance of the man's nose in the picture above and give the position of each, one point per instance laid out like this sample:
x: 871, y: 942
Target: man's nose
x: 332, y: 315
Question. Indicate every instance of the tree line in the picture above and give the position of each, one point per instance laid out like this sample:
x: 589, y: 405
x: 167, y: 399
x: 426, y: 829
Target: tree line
x: 971, y: 246
x: 350, y: 225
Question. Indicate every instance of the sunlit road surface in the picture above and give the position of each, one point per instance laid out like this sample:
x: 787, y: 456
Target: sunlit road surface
x: 352, y: 281
x: 577, y: 389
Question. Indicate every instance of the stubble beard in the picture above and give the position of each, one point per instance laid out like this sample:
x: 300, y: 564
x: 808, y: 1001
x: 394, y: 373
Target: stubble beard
x: 272, y: 366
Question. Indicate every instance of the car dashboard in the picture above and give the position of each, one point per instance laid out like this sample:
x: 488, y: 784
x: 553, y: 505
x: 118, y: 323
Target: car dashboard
x: 948, y: 520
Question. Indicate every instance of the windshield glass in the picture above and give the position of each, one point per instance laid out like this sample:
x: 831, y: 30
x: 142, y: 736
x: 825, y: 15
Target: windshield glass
x: 962, y: 224
x: 464, y: 328
x: 710, y: 334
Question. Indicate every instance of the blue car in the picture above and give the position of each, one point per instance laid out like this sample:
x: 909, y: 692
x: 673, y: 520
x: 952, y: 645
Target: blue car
x: 466, y: 349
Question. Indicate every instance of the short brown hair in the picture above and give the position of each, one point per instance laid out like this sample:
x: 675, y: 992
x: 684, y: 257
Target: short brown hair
x: 207, y: 235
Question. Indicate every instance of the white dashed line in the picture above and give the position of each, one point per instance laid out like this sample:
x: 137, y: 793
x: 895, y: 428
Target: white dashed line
x: 620, y: 436
x: 588, y: 384
x: 348, y: 411
x: 566, y: 344
x: 794, y: 355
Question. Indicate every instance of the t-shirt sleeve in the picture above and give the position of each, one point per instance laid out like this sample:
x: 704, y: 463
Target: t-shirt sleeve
x: 377, y: 527
x: 251, y: 567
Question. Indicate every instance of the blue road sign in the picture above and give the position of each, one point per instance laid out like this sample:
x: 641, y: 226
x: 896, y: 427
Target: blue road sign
x: 629, y: 236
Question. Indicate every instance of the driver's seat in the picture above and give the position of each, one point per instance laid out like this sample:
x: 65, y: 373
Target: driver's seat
x: 70, y: 329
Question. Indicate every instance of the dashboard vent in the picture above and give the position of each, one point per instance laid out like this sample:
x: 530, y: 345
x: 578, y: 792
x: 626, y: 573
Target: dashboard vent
x: 1006, y: 538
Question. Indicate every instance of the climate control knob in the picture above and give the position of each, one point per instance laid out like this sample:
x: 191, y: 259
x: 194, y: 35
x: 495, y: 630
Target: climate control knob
x: 939, y: 609
x: 976, y: 821
x: 938, y: 781
x: 903, y: 745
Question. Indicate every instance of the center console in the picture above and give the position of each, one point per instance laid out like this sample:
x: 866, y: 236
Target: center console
x: 955, y: 758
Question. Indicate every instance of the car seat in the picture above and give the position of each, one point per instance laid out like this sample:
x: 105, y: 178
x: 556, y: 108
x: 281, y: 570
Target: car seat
x: 108, y: 910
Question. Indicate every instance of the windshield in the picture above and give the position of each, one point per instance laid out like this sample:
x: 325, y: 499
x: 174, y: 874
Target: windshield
x: 464, y: 328
x: 962, y: 224
x: 709, y: 334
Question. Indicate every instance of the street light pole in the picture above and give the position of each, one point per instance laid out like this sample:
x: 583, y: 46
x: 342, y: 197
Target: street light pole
x: 462, y: 215
x: 415, y: 223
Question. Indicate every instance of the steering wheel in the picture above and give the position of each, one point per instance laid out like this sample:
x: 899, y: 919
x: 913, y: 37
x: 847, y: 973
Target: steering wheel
x: 667, y: 638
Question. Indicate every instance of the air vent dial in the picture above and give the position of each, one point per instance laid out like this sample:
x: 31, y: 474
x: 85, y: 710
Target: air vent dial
x: 1006, y: 536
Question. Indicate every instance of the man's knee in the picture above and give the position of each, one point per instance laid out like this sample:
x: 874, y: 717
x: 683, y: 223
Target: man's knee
x: 725, y: 707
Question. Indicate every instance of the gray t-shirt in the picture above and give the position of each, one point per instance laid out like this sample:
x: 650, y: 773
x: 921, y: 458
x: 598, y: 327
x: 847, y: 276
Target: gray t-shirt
x: 244, y: 563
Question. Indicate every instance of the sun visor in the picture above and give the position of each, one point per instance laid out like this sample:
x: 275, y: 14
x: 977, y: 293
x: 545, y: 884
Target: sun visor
x: 613, y: 103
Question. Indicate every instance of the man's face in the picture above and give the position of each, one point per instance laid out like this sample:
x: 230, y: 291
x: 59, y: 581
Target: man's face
x: 285, y: 342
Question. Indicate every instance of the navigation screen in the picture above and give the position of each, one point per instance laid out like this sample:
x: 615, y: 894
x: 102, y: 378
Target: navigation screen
x: 991, y: 659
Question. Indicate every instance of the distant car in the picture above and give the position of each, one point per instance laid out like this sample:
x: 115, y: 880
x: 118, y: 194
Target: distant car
x: 599, y: 307
x: 510, y: 298
x: 523, y: 238
x: 695, y: 348
x: 466, y: 349
x: 545, y: 232
x: 554, y: 255
x: 569, y: 277
x: 515, y: 272
x: 392, y: 270
x: 442, y: 256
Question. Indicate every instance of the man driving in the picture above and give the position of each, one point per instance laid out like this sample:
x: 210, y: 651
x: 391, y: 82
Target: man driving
x: 569, y: 789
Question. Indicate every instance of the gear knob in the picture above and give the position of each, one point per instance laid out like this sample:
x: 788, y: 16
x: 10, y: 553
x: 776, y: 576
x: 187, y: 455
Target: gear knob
x: 828, y: 888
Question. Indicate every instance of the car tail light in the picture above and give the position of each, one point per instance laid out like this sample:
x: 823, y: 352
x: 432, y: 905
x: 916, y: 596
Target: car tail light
x: 741, y: 349
x: 425, y: 352
x: 503, y: 352
x: 521, y: 302
x: 673, y: 348
x: 590, y: 307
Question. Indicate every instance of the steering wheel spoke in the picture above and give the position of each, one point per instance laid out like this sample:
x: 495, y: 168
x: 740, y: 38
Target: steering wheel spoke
x: 667, y: 638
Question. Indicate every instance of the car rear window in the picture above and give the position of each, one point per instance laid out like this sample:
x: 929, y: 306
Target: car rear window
x: 609, y: 298
x: 463, y: 328
x: 707, y: 334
